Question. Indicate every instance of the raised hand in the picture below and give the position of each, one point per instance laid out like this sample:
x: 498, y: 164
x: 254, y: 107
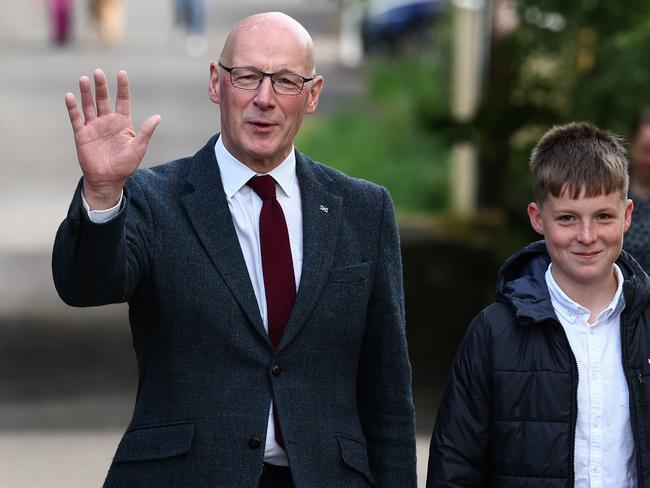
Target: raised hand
x: 108, y: 148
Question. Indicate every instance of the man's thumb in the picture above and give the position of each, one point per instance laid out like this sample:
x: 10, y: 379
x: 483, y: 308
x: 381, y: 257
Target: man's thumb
x: 146, y: 131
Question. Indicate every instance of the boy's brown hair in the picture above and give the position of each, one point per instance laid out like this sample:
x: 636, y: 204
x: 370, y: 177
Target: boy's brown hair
x: 578, y: 157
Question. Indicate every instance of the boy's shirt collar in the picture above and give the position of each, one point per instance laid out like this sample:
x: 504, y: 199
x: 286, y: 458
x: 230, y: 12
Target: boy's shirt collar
x: 571, y: 310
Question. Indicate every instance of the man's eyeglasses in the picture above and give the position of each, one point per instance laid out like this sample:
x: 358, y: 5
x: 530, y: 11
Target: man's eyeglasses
x: 284, y: 83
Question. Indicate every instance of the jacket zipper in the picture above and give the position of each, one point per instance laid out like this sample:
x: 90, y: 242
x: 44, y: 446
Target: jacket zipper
x: 576, y: 378
x: 633, y: 412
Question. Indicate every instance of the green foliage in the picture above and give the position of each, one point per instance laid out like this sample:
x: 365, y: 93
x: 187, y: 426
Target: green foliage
x: 596, y: 66
x: 381, y: 138
x: 567, y: 60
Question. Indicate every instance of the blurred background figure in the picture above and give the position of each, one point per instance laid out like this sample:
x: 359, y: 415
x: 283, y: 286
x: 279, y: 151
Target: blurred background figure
x: 61, y: 19
x: 398, y: 25
x: 637, y: 239
x: 189, y: 18
x: 108, y: 18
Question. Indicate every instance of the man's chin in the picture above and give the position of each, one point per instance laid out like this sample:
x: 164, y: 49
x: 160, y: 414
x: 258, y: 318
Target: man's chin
x: 264, y: 149
x: 265, y: 158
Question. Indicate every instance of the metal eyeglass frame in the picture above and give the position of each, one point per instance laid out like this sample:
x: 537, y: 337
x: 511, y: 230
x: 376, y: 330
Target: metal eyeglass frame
x: 263, y: 73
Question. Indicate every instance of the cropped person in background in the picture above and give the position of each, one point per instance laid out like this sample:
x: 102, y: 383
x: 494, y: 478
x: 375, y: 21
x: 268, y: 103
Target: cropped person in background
x: 108, y: 19
x: 190, y: 18
x: 637, y: 239
x: 60, y: 20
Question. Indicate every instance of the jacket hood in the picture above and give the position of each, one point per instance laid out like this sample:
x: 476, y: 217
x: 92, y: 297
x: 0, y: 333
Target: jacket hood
x: 522, y: 284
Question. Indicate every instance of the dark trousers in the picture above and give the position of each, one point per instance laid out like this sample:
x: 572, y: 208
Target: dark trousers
x: 276, y: 477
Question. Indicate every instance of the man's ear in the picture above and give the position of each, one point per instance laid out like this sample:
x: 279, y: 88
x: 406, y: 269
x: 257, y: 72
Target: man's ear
x: 213, y: 87
x: 314, y: 92
x: 535, y: 216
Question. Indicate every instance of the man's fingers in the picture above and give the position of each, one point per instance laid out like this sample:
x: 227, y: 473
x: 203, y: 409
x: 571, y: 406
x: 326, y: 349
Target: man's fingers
x: 123, y: 99
x: 73, y: 112
x: 87, y: 102
x: 101, y: 93
x: 144, y: 135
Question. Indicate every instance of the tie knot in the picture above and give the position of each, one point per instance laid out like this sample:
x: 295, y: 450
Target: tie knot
x: 264, y: 186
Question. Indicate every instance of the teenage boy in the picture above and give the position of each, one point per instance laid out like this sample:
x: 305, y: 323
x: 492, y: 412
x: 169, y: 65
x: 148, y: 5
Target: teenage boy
x: 550, y: 386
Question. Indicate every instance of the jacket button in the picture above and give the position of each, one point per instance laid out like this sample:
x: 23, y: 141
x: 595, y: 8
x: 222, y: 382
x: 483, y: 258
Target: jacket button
x: 276, y: 370
x: 254, y: 442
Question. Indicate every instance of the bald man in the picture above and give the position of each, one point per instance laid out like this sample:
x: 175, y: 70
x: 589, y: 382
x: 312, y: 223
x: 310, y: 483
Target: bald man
x: 264, y: 289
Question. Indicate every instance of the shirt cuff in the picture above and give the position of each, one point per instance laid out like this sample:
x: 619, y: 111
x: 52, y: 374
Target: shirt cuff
x: 102, y: 216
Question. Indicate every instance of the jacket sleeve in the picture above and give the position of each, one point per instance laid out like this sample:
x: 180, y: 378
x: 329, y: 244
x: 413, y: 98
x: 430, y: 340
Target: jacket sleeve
x: 384, y: 380
x: 458, y: 456
x: 97, y: 264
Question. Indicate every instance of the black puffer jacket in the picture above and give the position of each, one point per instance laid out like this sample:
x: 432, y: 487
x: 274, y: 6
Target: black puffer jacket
x: 508, y: 415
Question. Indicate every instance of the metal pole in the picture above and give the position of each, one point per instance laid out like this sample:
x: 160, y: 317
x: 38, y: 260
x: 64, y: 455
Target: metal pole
x: 467, y: 67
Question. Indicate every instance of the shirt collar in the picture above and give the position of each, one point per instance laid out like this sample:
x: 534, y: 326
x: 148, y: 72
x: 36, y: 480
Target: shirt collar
x: 235, y: 174
x: 570, y: 310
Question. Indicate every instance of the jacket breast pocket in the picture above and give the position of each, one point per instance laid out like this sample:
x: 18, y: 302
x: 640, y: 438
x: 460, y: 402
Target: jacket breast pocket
x: 152, y: 442
x: 343, y: 301
x: 354, y: 454
x: 349, y: 274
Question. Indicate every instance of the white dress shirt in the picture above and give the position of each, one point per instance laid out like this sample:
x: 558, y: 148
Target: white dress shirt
x: 604, y: 446
x: 245, y: 206
x: 101, y: 216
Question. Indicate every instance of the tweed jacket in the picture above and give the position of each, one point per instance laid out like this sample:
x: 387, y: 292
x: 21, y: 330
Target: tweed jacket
x: 339, y: 380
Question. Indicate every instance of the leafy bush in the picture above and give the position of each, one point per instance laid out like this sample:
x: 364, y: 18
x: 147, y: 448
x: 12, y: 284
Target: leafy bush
x: 566, y: 61
x: 380, y: 137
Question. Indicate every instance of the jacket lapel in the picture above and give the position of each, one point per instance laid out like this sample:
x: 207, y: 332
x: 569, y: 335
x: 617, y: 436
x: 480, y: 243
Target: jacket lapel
x: 208, y: 211
x: 321, y: 216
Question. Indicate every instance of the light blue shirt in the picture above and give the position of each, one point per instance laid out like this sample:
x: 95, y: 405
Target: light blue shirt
x: 604, y: 446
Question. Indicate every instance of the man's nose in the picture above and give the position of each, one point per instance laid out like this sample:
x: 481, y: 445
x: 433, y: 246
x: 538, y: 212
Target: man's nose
x: 265, y: 96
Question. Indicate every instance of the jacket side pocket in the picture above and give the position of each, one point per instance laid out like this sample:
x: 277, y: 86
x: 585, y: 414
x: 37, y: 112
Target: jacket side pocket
x: 355, y: 455
x: 160, y: 441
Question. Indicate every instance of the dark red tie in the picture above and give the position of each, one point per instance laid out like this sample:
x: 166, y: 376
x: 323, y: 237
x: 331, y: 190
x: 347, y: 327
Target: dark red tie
x: 277, y: 265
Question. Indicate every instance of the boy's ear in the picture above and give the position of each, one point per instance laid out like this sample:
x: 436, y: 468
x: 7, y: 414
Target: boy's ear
x: 629, y: 208
x: 535, y: 216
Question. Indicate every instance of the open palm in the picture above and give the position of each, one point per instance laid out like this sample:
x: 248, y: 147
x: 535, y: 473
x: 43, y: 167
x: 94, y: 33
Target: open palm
x: 108, y: 148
